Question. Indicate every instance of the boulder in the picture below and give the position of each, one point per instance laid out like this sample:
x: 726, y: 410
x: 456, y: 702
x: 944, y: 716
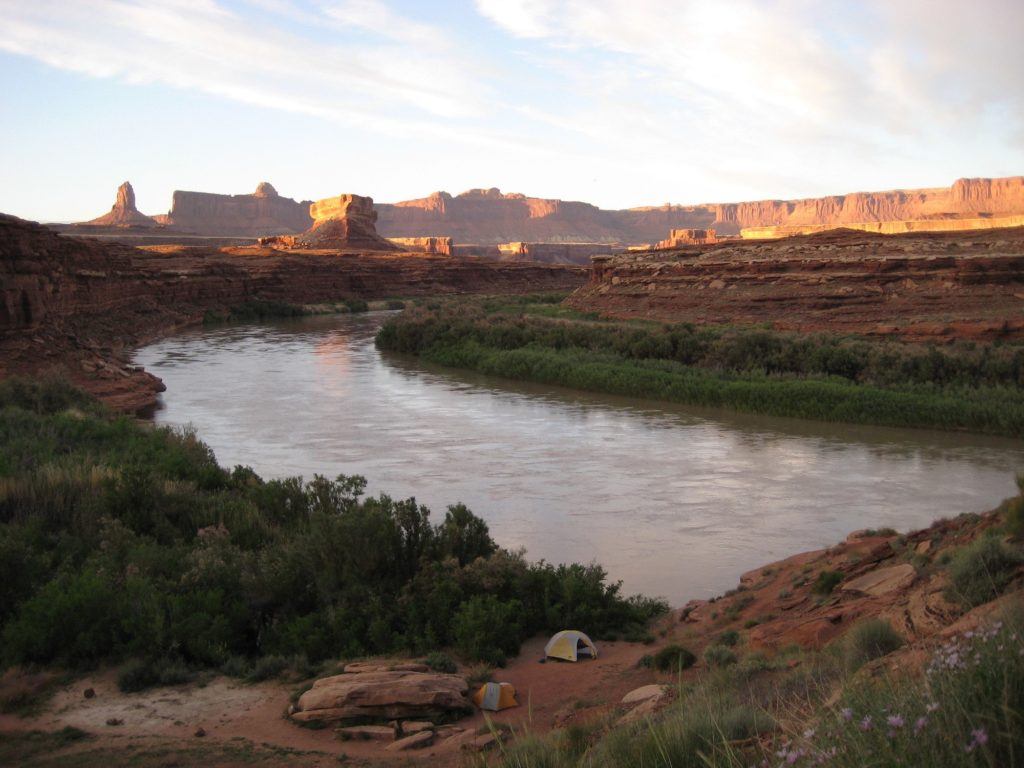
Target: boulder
x: 361, y: 667
x: 416, y: 741
x: 645, y: 693
x: 367, y: 733
x: 383, y: 696
x: 881, y: 581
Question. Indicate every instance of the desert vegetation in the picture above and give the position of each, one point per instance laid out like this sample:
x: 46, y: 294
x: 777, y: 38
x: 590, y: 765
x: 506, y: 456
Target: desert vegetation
x: 962, y: 386
x: 121, y: 542
x: 963, y: 709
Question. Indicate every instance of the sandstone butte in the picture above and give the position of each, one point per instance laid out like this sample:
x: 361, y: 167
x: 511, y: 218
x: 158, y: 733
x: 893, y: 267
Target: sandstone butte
x: 123, y: 213
x: 487, y: 217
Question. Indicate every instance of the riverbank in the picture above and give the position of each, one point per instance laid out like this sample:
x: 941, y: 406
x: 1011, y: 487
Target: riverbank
x: 819, y: 650
x: 80, y: 306
x: 826, y: 377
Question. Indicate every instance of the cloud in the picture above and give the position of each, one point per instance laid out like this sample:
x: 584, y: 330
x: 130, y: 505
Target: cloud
x: 204, y: 46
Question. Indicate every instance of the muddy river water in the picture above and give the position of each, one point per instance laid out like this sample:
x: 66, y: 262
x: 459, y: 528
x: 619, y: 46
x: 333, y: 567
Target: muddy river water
x: 672, y: 500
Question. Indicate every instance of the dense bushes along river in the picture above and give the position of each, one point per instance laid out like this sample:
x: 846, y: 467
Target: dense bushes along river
x: 817, y: 376
x: 118, y: 540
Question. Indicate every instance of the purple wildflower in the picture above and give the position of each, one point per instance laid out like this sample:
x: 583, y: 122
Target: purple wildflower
x: 865, y: 724
x: 920, y: 724
x: 895, y: 721
x: 978, y: 739
x: 846, y: 713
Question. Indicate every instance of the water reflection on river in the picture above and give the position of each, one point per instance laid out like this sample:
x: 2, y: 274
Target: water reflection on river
x: 674, y: 501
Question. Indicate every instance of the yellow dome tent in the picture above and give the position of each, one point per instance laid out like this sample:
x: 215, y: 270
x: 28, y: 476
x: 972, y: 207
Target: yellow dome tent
x: 570, y: 645
x: 495, y: 696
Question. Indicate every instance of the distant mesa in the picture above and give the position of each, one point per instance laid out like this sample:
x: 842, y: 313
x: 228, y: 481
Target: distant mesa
x: 487, y: 216
x: 489, y: 223
x: 260, y: 214
x: 123, y: 213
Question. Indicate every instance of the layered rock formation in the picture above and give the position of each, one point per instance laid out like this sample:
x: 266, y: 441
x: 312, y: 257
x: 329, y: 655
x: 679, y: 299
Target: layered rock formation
x: 383, y: 696
x: 440, y: 245
x: 555, y: 253
x: 680, y: 237
x: 260, y: 214
x: 344, y: 222
x: 123, y: 213
x: 917, y: 286
x: 886, y: 227
x: 80, y: 305
x: 490, y: 217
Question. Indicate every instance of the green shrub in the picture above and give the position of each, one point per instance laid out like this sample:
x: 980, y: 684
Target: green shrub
x: 719, y: 656
x: 356, y: 305
x: 1015, y: 510
x: 673, y: 658
x: 826, y: 582
x: 488, y: 629
x: 121, y: 541
x: 266, y: 668
x: 870, y: 639
x: 236, y: 666
x: 140, y: 674
x: 729, y: 638
x: 441, y: 662
x: 981, y: 570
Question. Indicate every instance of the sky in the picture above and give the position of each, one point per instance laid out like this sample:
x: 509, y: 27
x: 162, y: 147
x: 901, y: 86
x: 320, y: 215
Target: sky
x: 619, y: 103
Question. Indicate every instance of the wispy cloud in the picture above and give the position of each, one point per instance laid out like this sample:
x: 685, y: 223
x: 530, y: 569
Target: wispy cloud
x: 202, y: 45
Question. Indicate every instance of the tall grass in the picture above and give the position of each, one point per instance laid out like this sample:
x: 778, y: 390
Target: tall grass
x: 820, y: 377
x: 966, y: 709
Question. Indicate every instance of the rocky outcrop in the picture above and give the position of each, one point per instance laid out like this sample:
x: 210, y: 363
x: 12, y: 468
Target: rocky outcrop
x: 680, y: 237
x: 344, y: 222
x: 80, y: 305
x: 123, y: 213
x: 440, y: 245
x: 937, y: 286
x: 555, y: 253
x: 260, y: 214
x: 490, y: 217
x: 383, y: 696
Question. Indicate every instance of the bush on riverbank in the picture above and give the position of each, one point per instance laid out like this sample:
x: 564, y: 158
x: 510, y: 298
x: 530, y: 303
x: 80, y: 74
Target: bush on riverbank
x: 820, y: 376
x: 121, y: 541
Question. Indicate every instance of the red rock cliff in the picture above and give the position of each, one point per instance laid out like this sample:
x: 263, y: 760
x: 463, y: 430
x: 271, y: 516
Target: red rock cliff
x: 260, y: 214
x: 488, y: 216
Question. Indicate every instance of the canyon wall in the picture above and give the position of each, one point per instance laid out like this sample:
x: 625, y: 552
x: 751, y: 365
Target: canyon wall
x: 921, y: 286
x: 490, y: 217
x: 260, y: 214
x: 79, y: 305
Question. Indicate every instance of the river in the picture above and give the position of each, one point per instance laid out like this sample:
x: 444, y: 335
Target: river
x: 672, y: 500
